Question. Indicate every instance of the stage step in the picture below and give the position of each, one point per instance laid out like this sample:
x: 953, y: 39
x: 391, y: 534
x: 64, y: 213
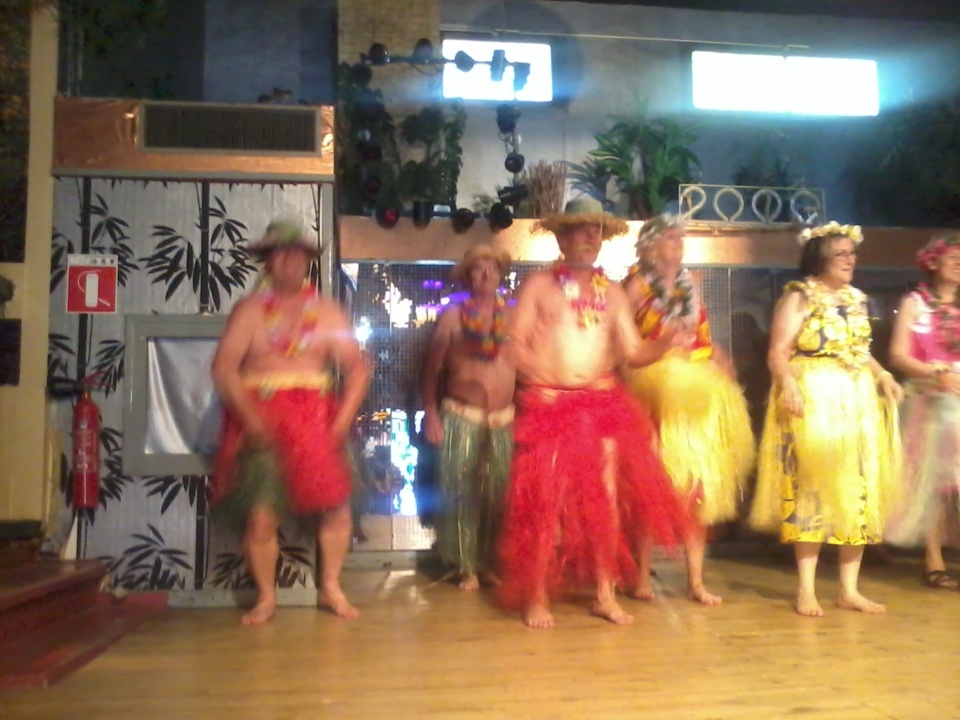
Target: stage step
x: 48, y: 654
x: 53, y: 618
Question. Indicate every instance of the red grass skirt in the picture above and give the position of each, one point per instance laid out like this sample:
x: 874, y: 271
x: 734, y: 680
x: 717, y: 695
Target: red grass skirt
x: 313, y: 467
x: 567, y: 524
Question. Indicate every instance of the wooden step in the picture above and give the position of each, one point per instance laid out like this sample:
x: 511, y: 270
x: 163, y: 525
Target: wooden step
x: 45, y: 592
x: 47, y: 654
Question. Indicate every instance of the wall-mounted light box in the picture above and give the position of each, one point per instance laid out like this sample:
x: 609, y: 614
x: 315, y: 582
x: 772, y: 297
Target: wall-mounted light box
x: 477, y: 84
x: 794, y: 85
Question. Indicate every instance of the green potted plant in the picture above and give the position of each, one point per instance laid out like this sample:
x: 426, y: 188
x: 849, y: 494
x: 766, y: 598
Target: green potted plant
x: 647, y: 159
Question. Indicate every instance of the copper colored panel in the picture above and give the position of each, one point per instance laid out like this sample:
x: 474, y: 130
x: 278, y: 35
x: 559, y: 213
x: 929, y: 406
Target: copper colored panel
x: 363, y: 239
x: 101, y: 137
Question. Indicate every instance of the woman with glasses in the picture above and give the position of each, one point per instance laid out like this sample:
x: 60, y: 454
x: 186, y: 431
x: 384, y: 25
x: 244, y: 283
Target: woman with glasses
x: 926, y: 348
x: 829, y: 461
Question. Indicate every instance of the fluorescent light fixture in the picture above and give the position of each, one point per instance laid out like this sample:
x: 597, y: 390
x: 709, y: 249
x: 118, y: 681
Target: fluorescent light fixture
x: 477, y: 85
x: 795, y: 85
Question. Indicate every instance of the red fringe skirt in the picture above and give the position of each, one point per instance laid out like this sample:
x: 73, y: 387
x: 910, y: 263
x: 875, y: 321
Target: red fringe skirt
x: 587, y: 482
x: 314, y: 469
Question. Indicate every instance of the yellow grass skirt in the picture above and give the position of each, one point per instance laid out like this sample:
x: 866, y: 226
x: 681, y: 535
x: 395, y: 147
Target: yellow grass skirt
x: 832, y: 475
x: 705, y: 435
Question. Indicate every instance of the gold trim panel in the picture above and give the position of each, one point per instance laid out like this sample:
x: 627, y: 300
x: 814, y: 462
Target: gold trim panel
x: 362, y: 239
x: 101, y: 137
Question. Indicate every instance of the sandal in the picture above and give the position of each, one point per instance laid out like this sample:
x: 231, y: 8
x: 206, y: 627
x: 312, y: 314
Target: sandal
x: 940, y: 580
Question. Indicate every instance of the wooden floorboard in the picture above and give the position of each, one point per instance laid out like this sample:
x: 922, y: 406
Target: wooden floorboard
x: 423, y: 649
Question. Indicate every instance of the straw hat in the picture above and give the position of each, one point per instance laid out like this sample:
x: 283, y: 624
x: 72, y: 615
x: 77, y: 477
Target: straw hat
x: 284, y: 234
x: 583, y: 211
x: 476, y: 253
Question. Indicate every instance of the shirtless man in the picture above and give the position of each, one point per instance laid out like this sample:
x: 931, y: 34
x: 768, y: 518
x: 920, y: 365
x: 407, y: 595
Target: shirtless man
x: 586, y: 473
x: 473, y: 425
x: 282, y: 445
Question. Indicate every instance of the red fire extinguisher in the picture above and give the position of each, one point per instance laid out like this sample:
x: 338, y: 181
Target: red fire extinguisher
x: 86, y: 453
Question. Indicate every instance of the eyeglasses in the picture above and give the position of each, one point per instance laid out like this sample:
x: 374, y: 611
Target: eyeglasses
x: 844, y: 255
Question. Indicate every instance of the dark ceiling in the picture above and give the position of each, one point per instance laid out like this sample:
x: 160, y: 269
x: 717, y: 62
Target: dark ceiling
x: 924, y: 10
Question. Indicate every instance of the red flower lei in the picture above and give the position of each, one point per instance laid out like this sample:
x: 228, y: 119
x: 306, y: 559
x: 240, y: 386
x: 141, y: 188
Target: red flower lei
x: 483, y: 343
x: 301, y: 335
x: 946, y: 319
x: 589, y: 309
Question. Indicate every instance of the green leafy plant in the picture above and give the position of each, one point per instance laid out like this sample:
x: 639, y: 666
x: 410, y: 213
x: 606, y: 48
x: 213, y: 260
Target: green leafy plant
x: 645, y: 158
x: 381, y: 163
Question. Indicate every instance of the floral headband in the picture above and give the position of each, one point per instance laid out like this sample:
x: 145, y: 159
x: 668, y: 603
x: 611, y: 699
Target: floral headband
x: 933, y: 250
x: 657, y: 226
x: 832, y: 228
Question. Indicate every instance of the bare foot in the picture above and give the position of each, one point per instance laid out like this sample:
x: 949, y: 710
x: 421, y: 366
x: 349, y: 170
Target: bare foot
x: 608, y: 609
x: 469, y: 582
x: 538, y: 616
x: 260, y: 613
x: 334, y: 600
x: 643, y: 590
x: 857, y: 601
x: 807, y: 605
x: 699, y: 594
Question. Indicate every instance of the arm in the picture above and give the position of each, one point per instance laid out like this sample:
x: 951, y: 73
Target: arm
x: 437, y: 351
x: 225, y: 371
x: 787, y: 323
x: 634, y: 350
x: 521, y: 324
x: 352, y: 363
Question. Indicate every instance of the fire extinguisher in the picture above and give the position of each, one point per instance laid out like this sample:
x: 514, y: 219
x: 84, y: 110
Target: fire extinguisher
x: 86, y: 453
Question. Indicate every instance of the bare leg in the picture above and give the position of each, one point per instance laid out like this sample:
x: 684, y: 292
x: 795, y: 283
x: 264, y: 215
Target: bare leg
x: 934, y: 569
x: 606, y: 605
x: 333, y: 535
x: 807, y: 554
x: 643, y: 590
x: 261, y: 550
x: 696, y: 544
x: 850, y: 597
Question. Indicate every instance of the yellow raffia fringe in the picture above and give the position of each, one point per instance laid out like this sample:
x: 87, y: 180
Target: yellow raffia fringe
x: 705, y: 431
x: 289, y: 380
x: 848, y: 457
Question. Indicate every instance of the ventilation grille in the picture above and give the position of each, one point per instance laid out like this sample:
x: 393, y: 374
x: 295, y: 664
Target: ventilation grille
x: 170, y: 126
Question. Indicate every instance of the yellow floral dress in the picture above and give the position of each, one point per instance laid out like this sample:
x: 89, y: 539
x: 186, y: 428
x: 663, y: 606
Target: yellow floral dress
x: 830, y: 475
x: 706, y: 440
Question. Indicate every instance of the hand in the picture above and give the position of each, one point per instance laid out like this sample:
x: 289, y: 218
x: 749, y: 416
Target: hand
x: 791, y: 398
x: 949, y: 382
x: 726, y: 365
x: 258, y: 435
x: 433, y: 427
x: 891, y: 388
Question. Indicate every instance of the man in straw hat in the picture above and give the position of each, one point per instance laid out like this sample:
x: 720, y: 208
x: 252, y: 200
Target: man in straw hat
x: 282, y: 444
x: 705, y: 436
x: 585, y: 473
x: 473, y: 424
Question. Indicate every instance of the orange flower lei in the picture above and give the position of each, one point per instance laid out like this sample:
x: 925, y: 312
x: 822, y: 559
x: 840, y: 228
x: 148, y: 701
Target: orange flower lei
x: 483, y: 343
x: 301, y: 335
x: 588, y: 310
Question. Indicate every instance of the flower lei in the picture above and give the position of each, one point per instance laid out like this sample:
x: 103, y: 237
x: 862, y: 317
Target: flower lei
x: 301, y: 335
x: 680, y: 301
x: 946, y: 319
x: 855, y: 351
x: 483, y: 343
x: 590, y: 309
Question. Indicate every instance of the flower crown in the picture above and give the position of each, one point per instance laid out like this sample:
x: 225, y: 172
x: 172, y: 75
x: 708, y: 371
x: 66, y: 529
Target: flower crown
x: 832, y: 228
x: 932, y: 251
x: 657, y: 226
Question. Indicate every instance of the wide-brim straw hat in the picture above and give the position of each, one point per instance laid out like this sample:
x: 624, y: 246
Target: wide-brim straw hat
x: 284, y: 234
x: 476, y: 253
x: 583, y: 211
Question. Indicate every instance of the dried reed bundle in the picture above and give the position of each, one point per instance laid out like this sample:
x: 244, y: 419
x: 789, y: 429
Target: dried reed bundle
x: 547, y: 183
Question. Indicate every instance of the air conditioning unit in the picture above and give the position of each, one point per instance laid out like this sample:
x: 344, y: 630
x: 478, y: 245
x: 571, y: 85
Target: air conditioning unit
x: 177, y: 140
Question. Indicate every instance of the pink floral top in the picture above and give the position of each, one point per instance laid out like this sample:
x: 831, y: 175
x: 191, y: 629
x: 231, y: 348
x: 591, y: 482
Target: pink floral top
x: 924, y: 342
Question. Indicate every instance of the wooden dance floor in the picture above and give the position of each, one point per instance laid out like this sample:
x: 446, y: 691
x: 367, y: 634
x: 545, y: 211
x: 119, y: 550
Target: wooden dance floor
x: 423, y: 649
